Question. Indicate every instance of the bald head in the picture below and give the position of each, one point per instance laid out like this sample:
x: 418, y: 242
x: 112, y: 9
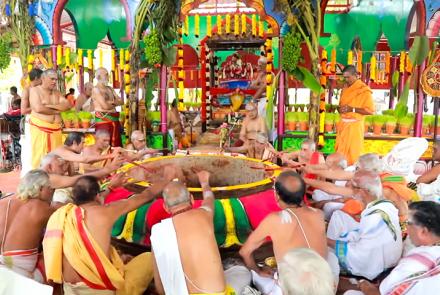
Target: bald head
x: 290, y: 188
x: 136, y: 134
x: 336, y: 161
x: 102, y: 75
x: 350, y: 69
x: 175, y: 194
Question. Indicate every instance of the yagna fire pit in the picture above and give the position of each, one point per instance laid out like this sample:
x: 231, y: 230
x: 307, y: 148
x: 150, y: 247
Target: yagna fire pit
x: 231, y: 176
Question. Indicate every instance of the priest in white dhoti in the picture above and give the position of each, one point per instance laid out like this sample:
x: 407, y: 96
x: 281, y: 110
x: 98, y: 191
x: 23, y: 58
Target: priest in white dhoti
x: 374, y: 244
x: 418, y: 273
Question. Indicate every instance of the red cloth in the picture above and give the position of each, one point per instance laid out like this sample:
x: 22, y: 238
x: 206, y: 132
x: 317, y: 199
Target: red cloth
x: 314, y: 160
x: 258, y: 206
x: 118, y: 194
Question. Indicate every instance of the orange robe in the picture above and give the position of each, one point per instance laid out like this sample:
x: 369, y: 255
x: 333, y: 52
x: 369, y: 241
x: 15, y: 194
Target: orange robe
x: 350, y: 134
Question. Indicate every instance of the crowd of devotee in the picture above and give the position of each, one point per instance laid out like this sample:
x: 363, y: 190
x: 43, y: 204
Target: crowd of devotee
x: 345, y: 224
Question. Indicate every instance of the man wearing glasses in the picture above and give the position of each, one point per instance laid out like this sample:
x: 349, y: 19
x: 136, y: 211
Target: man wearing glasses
x: 374, y: 244
x: 418, y: 272
x: 356, y: 102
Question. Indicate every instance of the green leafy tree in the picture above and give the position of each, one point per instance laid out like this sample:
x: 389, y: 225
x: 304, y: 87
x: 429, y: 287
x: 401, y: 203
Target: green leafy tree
x: 304, y: 17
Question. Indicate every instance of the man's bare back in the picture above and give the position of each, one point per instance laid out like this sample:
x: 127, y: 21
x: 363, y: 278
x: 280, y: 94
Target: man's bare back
x: 288, y: 236
x: 99, y: 227
x: 198, y: 250
x: 25, y: 223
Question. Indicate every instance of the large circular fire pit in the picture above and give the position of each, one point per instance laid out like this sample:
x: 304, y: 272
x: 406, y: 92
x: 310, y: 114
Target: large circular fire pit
x: 231, y: 176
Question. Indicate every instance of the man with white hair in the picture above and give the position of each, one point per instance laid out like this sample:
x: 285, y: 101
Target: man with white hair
x: 394, y: 186
x: 105, y: 100
x: 303, y: 271
x: 45, y: 120
x: 259, y: 149
x: 324, y: 200
x: 374, y: 244
x: 101, y: 147
x: 252, y: 125
x: 22, y: 221
x: 307, y: 155
x: 138, y: 149
x: 187, y: 259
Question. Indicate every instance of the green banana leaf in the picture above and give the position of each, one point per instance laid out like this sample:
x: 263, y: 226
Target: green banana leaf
x: 395, y: 82
x: 402, y: 106
x: 419, y: 50
x: 309, y: 80
x: 169, y: 55
x: 417, y: 54
x: 270, y: 102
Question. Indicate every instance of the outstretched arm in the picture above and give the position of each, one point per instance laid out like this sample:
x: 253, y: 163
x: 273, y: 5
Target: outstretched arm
x: 254, y: 241
x: 329, y: 187
x: 430, y: 175
x: 330, y: 174
x: 116, y: 209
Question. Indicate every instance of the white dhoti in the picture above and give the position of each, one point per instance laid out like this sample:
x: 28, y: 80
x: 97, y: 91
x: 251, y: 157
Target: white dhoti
x: 262, y: 103
x: 238, y: 277
x: 23, y: 262
x: 26, y: 149
x: 166, y: 253
x: 330, y: 207
x: 371, y: 246
x: 12, y: 283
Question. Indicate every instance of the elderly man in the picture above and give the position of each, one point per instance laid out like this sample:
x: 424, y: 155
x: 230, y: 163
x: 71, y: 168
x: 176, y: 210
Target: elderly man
x: 25, y: 140
x: 374, y: 244
x: 296, y: 226
x: 101, y: 148
x: 84, y: 100
x: 72, y: 152
x: 77, y: 249
x: 137, y: 149
x: 356, y: 102
x: 45, y: 121
x: 394, y: 187
x: 22, y: 220
x: 417, y: 273
x: 105, y: 100
x: 308, y: 155
x: 323, y: 200
x: 252, y: 125
x: 260, y: 149
x: 303, y: 271
x: 177, y: 243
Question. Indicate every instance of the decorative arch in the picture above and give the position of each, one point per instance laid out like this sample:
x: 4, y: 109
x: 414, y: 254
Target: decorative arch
x: 433, y: 29
x: 56, y: 21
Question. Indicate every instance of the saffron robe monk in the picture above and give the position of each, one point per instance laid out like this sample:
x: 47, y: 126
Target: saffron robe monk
x: 45, y: 121
x: 356, y: 102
